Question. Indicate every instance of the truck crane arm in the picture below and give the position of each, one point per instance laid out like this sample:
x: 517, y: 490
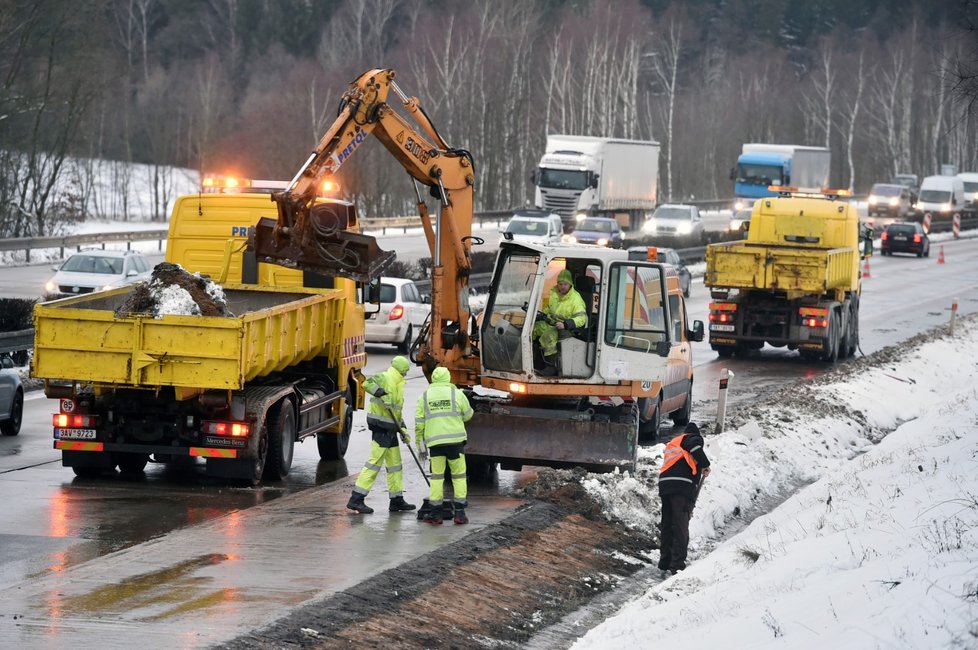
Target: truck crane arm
x: 314, y: 237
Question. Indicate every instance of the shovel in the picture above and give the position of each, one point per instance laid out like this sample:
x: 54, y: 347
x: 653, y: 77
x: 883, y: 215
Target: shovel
x: 401, y: 429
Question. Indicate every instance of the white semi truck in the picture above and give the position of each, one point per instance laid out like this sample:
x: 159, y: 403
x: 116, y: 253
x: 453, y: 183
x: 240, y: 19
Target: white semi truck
x: 581, y: 176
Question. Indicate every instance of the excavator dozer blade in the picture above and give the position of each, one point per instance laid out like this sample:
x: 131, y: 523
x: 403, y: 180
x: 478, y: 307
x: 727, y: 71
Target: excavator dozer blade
x: 518, y: 436
x: 333, y: 252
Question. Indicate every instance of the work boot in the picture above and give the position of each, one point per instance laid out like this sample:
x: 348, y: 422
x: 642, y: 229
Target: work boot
x: 433, y: 516
x: 356, y: 503
x: 460, y: 517
x: 398, y: 504
x: 549, y: 365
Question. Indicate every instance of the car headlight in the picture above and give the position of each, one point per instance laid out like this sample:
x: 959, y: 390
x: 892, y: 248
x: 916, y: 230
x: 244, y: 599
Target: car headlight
x: 602, y: 242
x: 872, y: 200
x: 580, y: 216
x: 894, y: 202
x: 571, y: 239
x: 649, y: 226
x: 50, y: 287
x: 735, y: 224
x: 945, y: 207
x: 739, y: 204
x: 684, y: 228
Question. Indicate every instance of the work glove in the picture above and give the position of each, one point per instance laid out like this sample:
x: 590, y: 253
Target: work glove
x: 542, y: 317
x: 380, y: 392
x: 569, y: 325
x: 422, y: 451
x: 405, y: 437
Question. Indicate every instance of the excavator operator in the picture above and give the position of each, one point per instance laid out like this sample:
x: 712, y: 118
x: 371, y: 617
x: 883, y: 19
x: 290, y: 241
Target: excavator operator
x: 565, y: 312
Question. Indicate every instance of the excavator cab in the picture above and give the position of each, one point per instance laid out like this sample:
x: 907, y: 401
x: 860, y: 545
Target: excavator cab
x: 632, y: 351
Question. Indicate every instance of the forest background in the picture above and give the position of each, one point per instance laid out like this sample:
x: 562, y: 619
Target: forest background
x: 248, y: 87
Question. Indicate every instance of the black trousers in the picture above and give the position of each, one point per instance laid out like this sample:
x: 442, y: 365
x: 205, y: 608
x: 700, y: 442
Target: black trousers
x: 674, y: 531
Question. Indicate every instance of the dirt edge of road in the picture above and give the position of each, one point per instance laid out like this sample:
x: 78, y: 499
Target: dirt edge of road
x: 499, y: 585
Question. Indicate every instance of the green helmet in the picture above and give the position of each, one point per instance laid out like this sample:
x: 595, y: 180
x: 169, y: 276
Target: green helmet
x: 565, y: 276
x: 401, y: 364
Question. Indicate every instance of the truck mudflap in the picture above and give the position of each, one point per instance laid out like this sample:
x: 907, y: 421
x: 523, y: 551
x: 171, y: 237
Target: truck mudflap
x: 330, y: 249
x: 515, y: 436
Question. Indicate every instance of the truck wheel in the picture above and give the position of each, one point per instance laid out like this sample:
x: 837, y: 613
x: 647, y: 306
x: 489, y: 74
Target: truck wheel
x: 832, y: 355
x: 132, y: 463
x: 648, y: 431
x: 11, y: 426
x: 405, y: 345
x: 681, y: 416
x: 281, y: 441
x: 333, y: 446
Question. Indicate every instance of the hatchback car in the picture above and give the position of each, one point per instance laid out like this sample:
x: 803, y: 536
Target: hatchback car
x: 887, y: 203
x: 665, y: 256
x: 95, y: 270
x: 600, y: 231
x: 11, y: 397
x: 906, y: 237
x: 534, y: 226
x: 676, y: 220
x: 403, y: 311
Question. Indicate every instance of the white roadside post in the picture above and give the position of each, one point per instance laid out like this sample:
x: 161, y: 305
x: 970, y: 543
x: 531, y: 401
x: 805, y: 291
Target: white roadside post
x: 725, y: 376
x: 954, y: 312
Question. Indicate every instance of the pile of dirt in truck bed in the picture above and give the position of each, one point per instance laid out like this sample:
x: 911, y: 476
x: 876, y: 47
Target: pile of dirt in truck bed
x: 172, y: 290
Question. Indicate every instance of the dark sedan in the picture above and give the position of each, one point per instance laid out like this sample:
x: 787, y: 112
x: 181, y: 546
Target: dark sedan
x: 600, y: 231
x: 665, y: 256
x: 907, y: 237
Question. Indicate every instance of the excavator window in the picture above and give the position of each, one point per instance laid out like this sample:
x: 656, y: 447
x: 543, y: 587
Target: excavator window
x: 636, y: 313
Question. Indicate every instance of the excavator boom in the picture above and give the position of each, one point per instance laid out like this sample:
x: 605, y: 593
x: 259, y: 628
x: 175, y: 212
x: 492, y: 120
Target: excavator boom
x: 319, y: 238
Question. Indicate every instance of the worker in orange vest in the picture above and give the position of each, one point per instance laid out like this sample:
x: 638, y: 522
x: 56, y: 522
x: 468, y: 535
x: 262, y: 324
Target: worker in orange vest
x: 684, y: 466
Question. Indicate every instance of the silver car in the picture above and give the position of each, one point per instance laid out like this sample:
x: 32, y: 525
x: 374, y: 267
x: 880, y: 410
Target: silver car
x: 403, y: 310
x: 11, y: 397
x: 96, y: 269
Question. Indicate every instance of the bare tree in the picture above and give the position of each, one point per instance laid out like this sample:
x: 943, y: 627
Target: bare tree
x: 665, y: 67
x: 850, y: 118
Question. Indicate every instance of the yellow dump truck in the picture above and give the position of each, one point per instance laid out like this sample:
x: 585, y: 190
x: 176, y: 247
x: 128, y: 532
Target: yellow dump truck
x: 238, y: 390
x: 794, y: 281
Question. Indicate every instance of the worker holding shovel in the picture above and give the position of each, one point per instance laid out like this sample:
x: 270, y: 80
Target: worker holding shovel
x: 384, y: 420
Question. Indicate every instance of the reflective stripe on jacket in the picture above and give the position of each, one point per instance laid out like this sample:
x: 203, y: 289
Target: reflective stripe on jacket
x: 393, y: 399
x: 442, y: 412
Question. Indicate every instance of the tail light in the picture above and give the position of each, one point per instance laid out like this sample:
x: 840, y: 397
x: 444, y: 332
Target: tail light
x: 814, y: 317
x: 884, y: 236
x: 73, y: 421
x: 723, y: 312
x: 396, y: 313
x: 917, y: 238
x: 232, y: 429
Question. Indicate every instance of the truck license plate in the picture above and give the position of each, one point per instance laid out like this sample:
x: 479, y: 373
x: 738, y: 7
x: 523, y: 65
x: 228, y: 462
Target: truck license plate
x: 716, y: 327
x: 75, y: 434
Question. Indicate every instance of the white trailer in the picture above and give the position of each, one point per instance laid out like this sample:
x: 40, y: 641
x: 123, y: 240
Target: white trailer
x: 582, y: 176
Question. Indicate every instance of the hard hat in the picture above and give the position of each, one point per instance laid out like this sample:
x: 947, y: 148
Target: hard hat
x: 565, y: 276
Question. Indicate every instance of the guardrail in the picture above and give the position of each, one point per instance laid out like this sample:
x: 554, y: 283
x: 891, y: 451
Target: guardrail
x: 27, y: 244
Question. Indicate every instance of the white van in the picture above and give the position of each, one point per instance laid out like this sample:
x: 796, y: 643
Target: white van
x: 970, y: 180
x: 534, y: 226
x: 941, y: 196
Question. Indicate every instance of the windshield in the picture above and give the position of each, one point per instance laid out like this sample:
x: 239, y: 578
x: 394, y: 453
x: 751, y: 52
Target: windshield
x: 93, y: 264
x: 671, y: 213
x: 886, y: 190
x: 562, y: 179
x: 595, y: 225
x: 758, y: 174
x: 970, y: 187
x: 533, y: 227
x: 935, y: 196
x: 505, y: 316
x: 636, y: 314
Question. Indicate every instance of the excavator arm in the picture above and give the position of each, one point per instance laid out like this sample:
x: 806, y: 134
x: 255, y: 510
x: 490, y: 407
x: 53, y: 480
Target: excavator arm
x: 316, y: 237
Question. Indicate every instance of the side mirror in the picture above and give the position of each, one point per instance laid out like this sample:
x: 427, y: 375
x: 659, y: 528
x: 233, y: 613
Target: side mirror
x: 535, y: 176
x: 372, y: 291
x: 426, y: 299
x: 697, y: 332
x: 594, y: 180
x: 733, y: 173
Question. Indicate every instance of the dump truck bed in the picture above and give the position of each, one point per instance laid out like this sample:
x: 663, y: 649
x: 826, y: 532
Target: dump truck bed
x: 82, y: 340
x: 742, y: 265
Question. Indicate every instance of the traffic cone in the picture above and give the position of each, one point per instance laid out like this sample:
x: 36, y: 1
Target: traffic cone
x: 866, y: 274
x: 940, y: 256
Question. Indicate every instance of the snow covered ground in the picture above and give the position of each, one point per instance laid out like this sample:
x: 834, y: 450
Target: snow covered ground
x: 879, y: 550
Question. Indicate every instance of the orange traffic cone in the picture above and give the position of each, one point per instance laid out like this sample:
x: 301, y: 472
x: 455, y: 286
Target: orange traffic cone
x: 866, y: 269
x: 940, y: 256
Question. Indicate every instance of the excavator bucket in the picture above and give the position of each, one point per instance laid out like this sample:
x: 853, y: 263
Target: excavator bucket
x: 515, y: 436
x: 324, y: 246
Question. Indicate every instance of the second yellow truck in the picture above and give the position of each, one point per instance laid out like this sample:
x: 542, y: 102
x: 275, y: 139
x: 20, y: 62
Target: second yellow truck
x: 795, y: 280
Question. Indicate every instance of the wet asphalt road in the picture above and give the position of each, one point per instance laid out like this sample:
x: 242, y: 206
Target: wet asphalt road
x: 179, y: 560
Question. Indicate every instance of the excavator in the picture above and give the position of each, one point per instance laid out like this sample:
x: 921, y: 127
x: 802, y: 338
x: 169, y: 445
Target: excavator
x: 616, y: 377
